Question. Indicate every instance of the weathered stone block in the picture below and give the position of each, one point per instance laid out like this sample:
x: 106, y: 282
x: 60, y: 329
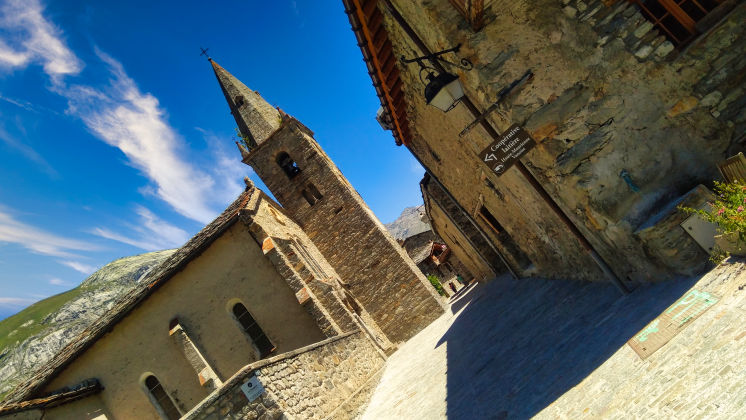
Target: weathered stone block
x: 666, y: 241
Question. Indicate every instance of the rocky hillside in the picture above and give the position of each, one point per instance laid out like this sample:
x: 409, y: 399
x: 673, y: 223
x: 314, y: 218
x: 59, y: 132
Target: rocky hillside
x: 32, y: 336
x: 409, y: 223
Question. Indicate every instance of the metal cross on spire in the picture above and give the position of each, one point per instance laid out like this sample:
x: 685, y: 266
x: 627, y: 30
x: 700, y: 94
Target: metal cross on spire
x: 204, y: 52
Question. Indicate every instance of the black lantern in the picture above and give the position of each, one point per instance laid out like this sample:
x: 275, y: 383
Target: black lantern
x: 443, y: 90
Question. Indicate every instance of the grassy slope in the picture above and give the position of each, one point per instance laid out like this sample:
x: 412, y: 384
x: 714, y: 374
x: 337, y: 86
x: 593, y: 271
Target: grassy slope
x: 36, y: 312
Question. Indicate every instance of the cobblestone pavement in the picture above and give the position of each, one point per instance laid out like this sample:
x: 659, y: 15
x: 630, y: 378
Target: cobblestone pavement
x: 556, y: 349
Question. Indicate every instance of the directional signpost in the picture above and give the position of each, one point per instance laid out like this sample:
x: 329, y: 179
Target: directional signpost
x: 507, y: 149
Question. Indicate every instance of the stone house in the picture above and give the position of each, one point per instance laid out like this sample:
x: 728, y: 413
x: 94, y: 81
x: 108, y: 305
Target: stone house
x: 269, y: 311
x: 630, y: 104
x: 432, y: 256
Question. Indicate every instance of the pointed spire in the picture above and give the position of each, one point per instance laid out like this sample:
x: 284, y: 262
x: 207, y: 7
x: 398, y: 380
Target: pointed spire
x: 244, y: 151
x: 256, y: 119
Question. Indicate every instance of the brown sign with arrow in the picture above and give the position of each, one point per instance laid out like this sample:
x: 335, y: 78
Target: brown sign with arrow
x: 506, y: 150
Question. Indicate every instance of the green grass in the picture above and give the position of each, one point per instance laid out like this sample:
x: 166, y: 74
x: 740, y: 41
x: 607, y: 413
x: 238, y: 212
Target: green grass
x: 36, y: 312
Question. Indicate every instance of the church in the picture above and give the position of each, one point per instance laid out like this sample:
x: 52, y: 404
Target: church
x: 273, y: 310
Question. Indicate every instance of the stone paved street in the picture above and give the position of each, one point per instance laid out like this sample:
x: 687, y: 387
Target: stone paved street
x: 556, y: 349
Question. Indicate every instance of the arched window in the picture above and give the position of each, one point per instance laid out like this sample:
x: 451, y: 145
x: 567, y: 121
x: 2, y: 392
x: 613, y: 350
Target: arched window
x: 288, y: 165
x: 253, y: 329
x: 160, y: 399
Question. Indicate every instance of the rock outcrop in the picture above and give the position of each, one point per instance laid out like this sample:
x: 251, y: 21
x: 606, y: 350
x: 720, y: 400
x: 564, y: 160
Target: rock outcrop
x: 411, y: 222
x: 48, y: 330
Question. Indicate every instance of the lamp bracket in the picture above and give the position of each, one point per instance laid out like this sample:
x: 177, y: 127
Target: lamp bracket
x: 464, y: 63
x: 504, y: 92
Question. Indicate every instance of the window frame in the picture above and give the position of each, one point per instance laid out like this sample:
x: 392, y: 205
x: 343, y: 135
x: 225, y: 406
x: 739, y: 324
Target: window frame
x: 674, y: 10
x: 157, y: 402
x: 254, y: 338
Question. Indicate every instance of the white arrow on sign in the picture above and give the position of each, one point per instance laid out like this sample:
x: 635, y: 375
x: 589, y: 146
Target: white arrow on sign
x: 489, y: 157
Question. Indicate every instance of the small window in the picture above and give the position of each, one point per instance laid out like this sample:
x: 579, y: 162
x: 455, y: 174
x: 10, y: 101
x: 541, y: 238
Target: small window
x: 160, y: 398
x: 485, y: 215
x: 288, y: 165
x: 253, y: 329
x: 239, y: 101
x: 677, y: 19
x: 311, y: 194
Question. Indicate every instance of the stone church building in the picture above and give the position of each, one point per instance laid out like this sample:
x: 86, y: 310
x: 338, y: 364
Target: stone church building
x: 271, y: 310
x: 626, y: 108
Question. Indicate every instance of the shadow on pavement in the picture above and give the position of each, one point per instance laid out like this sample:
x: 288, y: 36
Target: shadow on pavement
x: 463, y: 297
x: 521, y: 344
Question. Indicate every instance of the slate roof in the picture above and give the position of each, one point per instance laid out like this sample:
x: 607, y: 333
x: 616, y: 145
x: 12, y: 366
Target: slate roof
x: 127, y: 303
x: 62, y: 396
x: 420, y: 246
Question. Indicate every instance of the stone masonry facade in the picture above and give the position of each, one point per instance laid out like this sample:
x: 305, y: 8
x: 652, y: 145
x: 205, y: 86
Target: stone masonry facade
x: 373, y: 269
x: 381, y: 276
x: 310, y: 383
x: 626, y: 126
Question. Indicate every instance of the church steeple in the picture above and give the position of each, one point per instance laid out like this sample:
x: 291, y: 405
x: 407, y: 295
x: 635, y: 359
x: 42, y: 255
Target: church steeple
x: 256, y: 118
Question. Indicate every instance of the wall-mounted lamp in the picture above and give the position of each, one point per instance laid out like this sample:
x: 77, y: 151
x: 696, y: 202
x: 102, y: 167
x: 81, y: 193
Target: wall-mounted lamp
x: 443, y: 90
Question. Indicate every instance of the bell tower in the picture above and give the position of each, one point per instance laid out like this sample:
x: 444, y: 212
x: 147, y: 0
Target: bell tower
x: 310, y: 187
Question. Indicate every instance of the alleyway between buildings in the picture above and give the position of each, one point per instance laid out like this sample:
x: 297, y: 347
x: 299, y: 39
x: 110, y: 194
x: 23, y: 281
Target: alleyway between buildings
x: 555, y: 349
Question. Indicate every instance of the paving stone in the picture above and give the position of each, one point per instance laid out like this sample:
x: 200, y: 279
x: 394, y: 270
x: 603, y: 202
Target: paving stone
x: 557, y: 349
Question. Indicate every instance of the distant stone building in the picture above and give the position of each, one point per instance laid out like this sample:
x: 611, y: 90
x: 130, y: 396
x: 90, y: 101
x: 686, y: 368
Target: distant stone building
x: 269, y: 312
x: 433, y: 257
x: 631, y: 105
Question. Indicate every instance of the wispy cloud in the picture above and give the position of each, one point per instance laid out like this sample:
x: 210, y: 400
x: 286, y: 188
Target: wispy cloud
x: 228, y: 170
x: 38, y: 240
x: 35, y: 40
x: 124, y: 117
x: 28, y: 106
x: 27, y: 151
x: 415, y: 167
x: 15, y: 302
x: 152, y: 233
x: 58, y: 282
x: 121, y: 115
x: 78, y: 266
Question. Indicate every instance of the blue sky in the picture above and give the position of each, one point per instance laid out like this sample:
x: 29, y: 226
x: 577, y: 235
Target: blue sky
x: 115, y: 138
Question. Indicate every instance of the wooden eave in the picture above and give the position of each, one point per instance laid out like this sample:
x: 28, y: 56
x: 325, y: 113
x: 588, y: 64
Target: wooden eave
x: 63, y: 396
x: 367, y: 24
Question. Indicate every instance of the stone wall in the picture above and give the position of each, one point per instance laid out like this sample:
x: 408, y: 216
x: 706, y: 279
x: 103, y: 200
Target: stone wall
x: 309, y: 383
x: 468, y: 243
x: 625, y: 125
x: 314, y: 281
x: 233, y: 268
x: 379, y: 273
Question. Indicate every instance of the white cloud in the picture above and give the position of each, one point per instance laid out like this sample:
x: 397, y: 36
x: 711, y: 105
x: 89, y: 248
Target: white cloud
x: 78, y: 266
x: 124, y: 117
x: 15, y: 302
x: 58, y: 282
x: 37, y: 240
x: 228, y: 170
x: 36, y: 40
x: 152, y: 233
x: 415, y: 167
